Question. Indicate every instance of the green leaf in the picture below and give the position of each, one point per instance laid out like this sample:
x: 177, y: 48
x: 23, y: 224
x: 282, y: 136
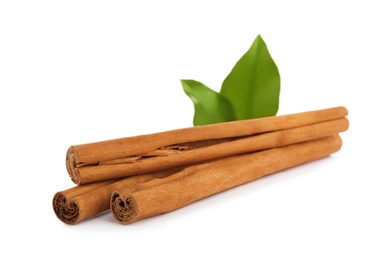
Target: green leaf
x: 209, y: 106
x: 253, y: 85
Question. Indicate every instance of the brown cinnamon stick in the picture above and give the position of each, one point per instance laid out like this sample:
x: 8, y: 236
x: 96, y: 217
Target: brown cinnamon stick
x: 194, y: 183
x: 85, y: 201
x: 147, y: 153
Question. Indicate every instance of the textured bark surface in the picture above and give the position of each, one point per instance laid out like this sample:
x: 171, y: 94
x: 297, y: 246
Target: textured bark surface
x: 136, y: 155
x: 194, y: 183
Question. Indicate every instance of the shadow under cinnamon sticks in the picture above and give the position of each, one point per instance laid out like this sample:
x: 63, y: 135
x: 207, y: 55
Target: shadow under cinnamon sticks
x: 148, y: 153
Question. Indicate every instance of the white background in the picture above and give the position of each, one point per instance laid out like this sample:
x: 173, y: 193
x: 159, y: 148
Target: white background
x: 74, y: 72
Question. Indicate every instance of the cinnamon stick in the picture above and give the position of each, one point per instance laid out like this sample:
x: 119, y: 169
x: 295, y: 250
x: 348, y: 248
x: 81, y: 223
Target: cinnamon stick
x: 136, y: 155
x: 194, y: 183
x: 85, y: 201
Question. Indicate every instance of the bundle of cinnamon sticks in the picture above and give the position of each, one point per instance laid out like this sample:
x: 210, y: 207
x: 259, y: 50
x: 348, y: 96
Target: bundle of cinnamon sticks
x: 143, y: 176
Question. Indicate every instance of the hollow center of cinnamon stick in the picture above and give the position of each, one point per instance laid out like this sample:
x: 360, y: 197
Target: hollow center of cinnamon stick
x: 66, y: 212
x: 123, y: 208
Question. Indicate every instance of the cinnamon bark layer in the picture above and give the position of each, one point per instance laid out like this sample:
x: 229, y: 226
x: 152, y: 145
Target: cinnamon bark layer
x: 194, y: 183
x: 136, y: 155
x: 84, y: 201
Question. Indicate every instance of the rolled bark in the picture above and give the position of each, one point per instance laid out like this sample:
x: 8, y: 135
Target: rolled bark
x: 136, y: 155
x: 194, y: 183
x: 85, y: 201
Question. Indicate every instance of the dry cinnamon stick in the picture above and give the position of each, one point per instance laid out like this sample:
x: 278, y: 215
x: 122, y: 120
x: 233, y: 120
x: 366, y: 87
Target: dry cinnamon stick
x: 147, y: 153
x: 85, y: 201
x: 200, y: 181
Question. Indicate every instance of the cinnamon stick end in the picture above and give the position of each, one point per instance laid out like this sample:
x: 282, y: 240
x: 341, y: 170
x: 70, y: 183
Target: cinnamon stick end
x: 67, y: 212
x: 71, y: 162
x: 123, y: 208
